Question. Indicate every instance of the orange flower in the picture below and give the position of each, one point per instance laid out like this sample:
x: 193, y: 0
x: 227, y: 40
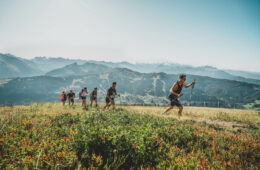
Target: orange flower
x: 135, y: 146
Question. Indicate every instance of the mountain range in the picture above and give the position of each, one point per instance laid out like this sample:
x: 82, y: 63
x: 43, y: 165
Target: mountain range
x: 42, y: 80
x: 12, y: 66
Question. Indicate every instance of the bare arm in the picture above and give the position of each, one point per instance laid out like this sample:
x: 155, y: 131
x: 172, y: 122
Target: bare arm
x: 108, y: 96
x: 118, y: 94
x: 187, y: 86
x: 90, y: 95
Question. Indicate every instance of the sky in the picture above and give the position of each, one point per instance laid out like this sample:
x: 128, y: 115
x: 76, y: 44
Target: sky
x: 220, y: 33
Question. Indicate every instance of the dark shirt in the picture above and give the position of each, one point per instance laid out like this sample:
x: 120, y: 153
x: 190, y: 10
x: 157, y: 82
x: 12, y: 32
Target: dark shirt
x: 71, y: 95
x: 178, y: 91
x: 94, y: 94
x: 111, y: 92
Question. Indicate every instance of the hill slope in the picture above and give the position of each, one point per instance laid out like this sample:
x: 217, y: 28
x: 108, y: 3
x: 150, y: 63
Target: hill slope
x: 136, y: 88
x: 178, y: 69
x: 11, y: 66
x: 79, y: 70
x: 49, y: 64
x: 50, y: 136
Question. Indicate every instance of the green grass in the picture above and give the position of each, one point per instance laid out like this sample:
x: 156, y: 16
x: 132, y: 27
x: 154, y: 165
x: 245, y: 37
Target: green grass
x: 51, y: 136
x: 253, y: 106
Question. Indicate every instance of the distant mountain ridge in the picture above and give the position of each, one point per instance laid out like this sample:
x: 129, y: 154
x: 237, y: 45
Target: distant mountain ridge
x: 42, y: 65
x: 47, y: 64
x: 135, y: 87
x: 252, y: 75
x: 79, y: 70
x: 11, y: 66
x: 178, y: 69
x: 74, y: 69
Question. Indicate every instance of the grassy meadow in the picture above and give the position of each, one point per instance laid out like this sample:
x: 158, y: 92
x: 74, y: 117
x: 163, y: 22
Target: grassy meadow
x: 50, y: 136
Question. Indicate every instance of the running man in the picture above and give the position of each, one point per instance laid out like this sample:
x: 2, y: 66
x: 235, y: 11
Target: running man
x: 110, y: 97
x: 175, y: 93
x: 63, y: 97
x: 83, y: 96
x: 93, y: 97
x: 71, y: 97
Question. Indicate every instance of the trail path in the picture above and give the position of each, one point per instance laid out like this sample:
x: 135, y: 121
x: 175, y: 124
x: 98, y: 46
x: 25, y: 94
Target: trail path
x: 218, y: 117
x: 220, y: 123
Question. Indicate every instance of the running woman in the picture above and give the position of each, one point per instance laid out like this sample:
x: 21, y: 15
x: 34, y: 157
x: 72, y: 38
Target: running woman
x: 93, y: 97
x: 63, y: 97
x: 83, y: 96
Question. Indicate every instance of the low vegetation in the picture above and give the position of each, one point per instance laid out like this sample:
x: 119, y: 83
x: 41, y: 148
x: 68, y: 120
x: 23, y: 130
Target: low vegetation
x: 45, y: 135
x: 255, y: 105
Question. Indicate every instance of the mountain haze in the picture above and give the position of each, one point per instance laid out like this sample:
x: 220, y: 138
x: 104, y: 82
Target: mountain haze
x: 42, y: 79
x: 11, y: 66
x: 48, y: 64
x: 79, y: 70
x: 43, y: 65
x: 135, y: 87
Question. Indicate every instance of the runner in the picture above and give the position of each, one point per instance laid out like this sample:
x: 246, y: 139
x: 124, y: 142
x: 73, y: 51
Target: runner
x: 63, y: 97
x: 71, y: 96
x: 175, y: 93
x: 111, y: 93
x: 83, y: 95
x: 93, y: 97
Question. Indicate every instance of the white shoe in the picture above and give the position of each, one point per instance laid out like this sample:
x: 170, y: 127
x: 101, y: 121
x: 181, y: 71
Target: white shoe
x: 163, y: 113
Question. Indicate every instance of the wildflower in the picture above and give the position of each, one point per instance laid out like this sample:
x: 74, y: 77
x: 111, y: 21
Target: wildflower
x: 135, y: 146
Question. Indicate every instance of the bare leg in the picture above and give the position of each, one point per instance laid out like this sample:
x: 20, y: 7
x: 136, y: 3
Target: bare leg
x: 84, y: 102
x: 168, y: 109
x: 180, y: 111
x: 107, y: 105
x: 96, y: 103
x: 91, y: 102
x: 113, y: 104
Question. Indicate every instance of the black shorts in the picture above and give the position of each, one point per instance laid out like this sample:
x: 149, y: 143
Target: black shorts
x: 72, y: 100
x: 64, y: 100
x: 174, y: 101
x: 83, y: 97
x: 108, y: 100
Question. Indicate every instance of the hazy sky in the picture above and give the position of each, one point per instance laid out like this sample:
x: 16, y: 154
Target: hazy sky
x: 221, y: 33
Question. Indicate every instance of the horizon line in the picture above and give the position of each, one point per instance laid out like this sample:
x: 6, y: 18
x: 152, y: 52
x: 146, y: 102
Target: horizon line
x: 131, y: 62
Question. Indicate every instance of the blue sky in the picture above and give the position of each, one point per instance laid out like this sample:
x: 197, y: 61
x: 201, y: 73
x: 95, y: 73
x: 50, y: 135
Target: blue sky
x: 221, y: 33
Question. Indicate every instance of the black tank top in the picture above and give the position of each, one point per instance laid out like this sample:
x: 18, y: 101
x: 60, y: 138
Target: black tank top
x: 94, y: 94
x: 178, y: 91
